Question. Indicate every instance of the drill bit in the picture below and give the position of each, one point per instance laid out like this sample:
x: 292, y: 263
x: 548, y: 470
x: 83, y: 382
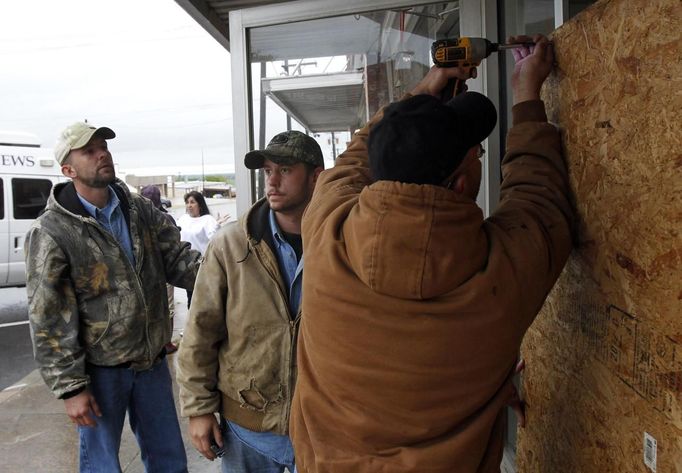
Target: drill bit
x: 499, y: 46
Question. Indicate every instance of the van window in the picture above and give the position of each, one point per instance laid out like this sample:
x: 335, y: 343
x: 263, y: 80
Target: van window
x: 2, y: 199
x: 30, y: 197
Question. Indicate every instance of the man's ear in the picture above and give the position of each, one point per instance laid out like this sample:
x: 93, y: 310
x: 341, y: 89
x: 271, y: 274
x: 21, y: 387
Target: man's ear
x: 316, y: 173
x: 69, y: 171
x: 460, y: 184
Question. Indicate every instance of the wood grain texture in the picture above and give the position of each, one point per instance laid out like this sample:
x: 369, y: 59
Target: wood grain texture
x: 605, y: 355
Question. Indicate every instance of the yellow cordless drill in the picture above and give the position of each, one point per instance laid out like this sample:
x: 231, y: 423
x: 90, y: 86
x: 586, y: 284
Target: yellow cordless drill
x: 467, y: 52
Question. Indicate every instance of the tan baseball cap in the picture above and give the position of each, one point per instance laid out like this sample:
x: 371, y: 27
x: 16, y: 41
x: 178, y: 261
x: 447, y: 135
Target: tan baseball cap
x: 76, y: 136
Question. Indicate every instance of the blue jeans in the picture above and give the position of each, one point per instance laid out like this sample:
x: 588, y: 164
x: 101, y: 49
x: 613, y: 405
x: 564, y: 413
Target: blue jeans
x: 147, y: 396
x: 242, y: 458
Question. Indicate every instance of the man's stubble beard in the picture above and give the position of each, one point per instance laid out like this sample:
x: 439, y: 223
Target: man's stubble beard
x: 292, y: 206
x: 100, y: 182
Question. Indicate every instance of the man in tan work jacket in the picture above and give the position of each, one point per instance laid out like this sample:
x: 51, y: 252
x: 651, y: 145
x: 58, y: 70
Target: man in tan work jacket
x: 238, y: 355
x: 414, y: 304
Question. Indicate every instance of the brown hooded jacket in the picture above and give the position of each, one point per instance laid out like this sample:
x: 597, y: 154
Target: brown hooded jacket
x: 414, y: 308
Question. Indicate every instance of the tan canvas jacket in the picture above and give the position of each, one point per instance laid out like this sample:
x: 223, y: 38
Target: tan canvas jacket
x: 237, y: 355
x: 426, y: 303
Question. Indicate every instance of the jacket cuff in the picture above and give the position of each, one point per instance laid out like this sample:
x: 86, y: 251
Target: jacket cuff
x: 73, y: 393
x: 529, y: 111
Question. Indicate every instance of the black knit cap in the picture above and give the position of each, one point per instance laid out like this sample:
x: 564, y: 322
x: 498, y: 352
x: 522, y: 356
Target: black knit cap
x: 420, y: 140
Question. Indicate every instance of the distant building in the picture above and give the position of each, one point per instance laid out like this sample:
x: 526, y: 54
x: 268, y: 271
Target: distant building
x: 172, y: 189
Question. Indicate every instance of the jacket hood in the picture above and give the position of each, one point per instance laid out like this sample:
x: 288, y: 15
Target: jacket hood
x: 256, y: 225
x: 414, y: 241
x: 255, y: 220
x: 63, y: 198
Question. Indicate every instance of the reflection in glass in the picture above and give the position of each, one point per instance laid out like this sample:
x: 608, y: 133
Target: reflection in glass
x: 328, y: 76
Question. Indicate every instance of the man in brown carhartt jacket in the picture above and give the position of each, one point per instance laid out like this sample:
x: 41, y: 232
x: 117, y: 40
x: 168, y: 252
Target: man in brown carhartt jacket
x: 415, y: 306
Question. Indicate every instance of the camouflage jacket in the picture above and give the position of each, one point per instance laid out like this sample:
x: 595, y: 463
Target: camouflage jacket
x: 86, y: 301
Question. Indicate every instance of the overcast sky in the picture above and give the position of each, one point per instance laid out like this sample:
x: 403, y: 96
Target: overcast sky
x: 144, y: 68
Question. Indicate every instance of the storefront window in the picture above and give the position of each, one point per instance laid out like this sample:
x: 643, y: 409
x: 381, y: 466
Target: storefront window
x: 575, y: 7
x: 520, y: 17
x: 526, y: 17
x: 328, y: 76
x: 523, y: 17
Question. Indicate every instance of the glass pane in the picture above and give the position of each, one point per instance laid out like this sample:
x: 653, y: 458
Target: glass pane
x: 522, y: 17
x: 328, y: 76
x: 527, y: 17
x: 518, y: 17
x: 576, y: 6
x: 29, y: 197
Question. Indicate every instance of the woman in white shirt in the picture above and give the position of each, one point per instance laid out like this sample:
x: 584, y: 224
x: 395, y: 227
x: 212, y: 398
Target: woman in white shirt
x: 197, y: 226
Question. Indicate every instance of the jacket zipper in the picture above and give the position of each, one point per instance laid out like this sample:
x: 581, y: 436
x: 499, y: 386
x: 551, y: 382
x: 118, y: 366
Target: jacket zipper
x: 292, y: 348
x: 292, y: 331
x: 257, y: 251
x: 138, y: 286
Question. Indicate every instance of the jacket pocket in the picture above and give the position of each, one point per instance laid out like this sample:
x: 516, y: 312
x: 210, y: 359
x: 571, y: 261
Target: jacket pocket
x: 95, y: 321
x: 95, y: 333
x: 123, y: 341
x: 254, y: 399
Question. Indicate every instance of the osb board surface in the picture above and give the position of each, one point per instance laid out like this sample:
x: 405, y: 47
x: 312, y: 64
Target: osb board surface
x: 604, y: 356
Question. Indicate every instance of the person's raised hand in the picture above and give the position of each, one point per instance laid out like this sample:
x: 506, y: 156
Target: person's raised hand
x: 532, y: 66
x: 437, y: 78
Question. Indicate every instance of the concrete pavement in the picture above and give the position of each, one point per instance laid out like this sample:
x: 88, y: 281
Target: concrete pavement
x: 38, y: 437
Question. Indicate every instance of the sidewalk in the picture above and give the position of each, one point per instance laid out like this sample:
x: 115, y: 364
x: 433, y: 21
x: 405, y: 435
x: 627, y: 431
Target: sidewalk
x: 38, y: 437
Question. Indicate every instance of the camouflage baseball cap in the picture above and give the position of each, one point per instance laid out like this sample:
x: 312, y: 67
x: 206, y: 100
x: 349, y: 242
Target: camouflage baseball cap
x: 289, y: 147
x: 76, y: 136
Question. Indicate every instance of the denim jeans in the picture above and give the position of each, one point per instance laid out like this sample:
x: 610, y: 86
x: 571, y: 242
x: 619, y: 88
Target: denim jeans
x: 147, y: 396
x: 242, y: 458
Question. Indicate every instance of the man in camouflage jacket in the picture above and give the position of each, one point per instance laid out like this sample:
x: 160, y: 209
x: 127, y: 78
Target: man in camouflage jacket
x: 97, y: 261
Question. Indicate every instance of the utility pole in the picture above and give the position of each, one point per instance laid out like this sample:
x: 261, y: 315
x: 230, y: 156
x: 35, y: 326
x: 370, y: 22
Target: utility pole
x: 286, y: 67
x: 333, y: 146
x: 203, y: 177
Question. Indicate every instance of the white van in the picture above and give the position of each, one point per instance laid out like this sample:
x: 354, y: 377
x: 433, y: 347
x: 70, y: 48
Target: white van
x: 27, y: 174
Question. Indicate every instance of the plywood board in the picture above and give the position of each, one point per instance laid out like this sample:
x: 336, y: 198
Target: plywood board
x: 605, y: 355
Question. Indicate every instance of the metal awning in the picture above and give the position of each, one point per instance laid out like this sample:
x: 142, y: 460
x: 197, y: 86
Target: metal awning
x: 321, y: 102
x: 214, y: 15
x: 316, y: 38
